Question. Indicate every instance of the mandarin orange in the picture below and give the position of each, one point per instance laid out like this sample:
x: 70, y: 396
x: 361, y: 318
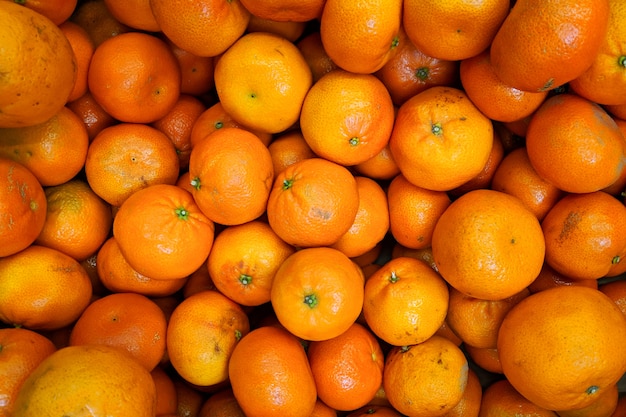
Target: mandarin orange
x: 270, y: 374
x: 560, y: 348
x: 162, y: 232
x: 360, y: 37
x: 347, y: 118
x: 23, y: 207
x: 38, y: 65
x: 542, y: 45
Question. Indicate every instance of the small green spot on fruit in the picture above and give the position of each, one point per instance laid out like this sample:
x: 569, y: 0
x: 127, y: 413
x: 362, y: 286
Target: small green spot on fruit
x: 621, y: 61
x: 405, y: 348
x: 354, y: 141
x: 219, y: 125
x: 311, y: 300
x: 238, y: 335
x: 395, y: 42
x: 245, y: 279
x: 195, y: 183
x: 287, y: 183
x: 615, y: 260
x: 393, y: 278
x: 436, y: 129
x: 422, y: 73
x: 548, y: 85
x: 592, y: 389
x: 182, y: 213
x: 33, y: 205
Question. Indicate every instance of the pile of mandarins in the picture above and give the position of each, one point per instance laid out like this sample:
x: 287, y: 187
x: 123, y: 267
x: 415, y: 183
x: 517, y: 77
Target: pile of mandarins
x: 272, y: 208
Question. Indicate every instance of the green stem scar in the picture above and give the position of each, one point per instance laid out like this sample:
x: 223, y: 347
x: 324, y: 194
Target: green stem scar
x: 311, y: 300
x: 436, y: 129
x: 615, y: 260
x: 393, y: 278
x: 238, y: 335
x: 287, y: 183
x: 195, y: 183
x: 592, y: 389
x: 182, y: 213
x: 354, y: 141
x: 621, y: 61
x: 395, y: 42
x: 245, y: 279
x: 422, y: 73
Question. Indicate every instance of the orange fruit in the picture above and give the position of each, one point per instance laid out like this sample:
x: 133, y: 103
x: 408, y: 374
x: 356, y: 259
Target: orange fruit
x: 313, y: 203
x: 23, y: 207
x: 204, y: 28
x: 139, y: 227
x: 231, y: 174
x: 496, y: 100
x: 603, y: 406
x: 135, y: 77
x: 413, y: 212
x: 347, y: 118
x: 501, y: 399
x: 102, y: 379
x: 584, y: 234
x: 261, y: 81
x: 424, y: 254
x: 244, y: 260
x: 196, y: 72
x: 348, y: 368
x: 602, y: 81
x: 57, y: 11
x: 360, y: 37
x: 477, y: 321
x: 453, y: 30
x: 190, y: 399
x: 568, y: 155
x: 381, y: 166
x: 542, y: 45
x: 270, y: 374
x: 375, y: 410
x: 439, y: 363
x: 616, y: 291
x: 485, y: 176
x: 617, y: 110
x: 371, y: 223
x: 221, y: 404
x: 290, y: 30
x: 405, y: 301
x: 126, y: 321
x: 21, y: 351
x: 77, y: 220
x: 287, y: 149
x: 469, y: 406
x: 127, y: 157
x: 549, y: 278
x: 516, y: 176
x: 136, y: 14
x: 42, y: 288
x: 561, y: 348
x: 166, y: 400
x: 83, y: 48
x: 621, y: 406
x: 32, y: 92
x: 317, y: 293
x: 440, y: 140
x: 486, y: 358
x: 488, y: 245
x: 285, y: 10
x: 54, y: 150
x: 619, y: 186
x: 322, y: 410
x: 117, y: 276
x: 215, y: 118
x: 315, y: 55
x: 202, y: 333
x: 178, y: 123
x: 199, y: 280
x: 410, y: 71
x: 91, y: 113
x: 95, y: 17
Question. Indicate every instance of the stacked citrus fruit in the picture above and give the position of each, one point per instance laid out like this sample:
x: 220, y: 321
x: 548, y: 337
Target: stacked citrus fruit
x: 313, y: 208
